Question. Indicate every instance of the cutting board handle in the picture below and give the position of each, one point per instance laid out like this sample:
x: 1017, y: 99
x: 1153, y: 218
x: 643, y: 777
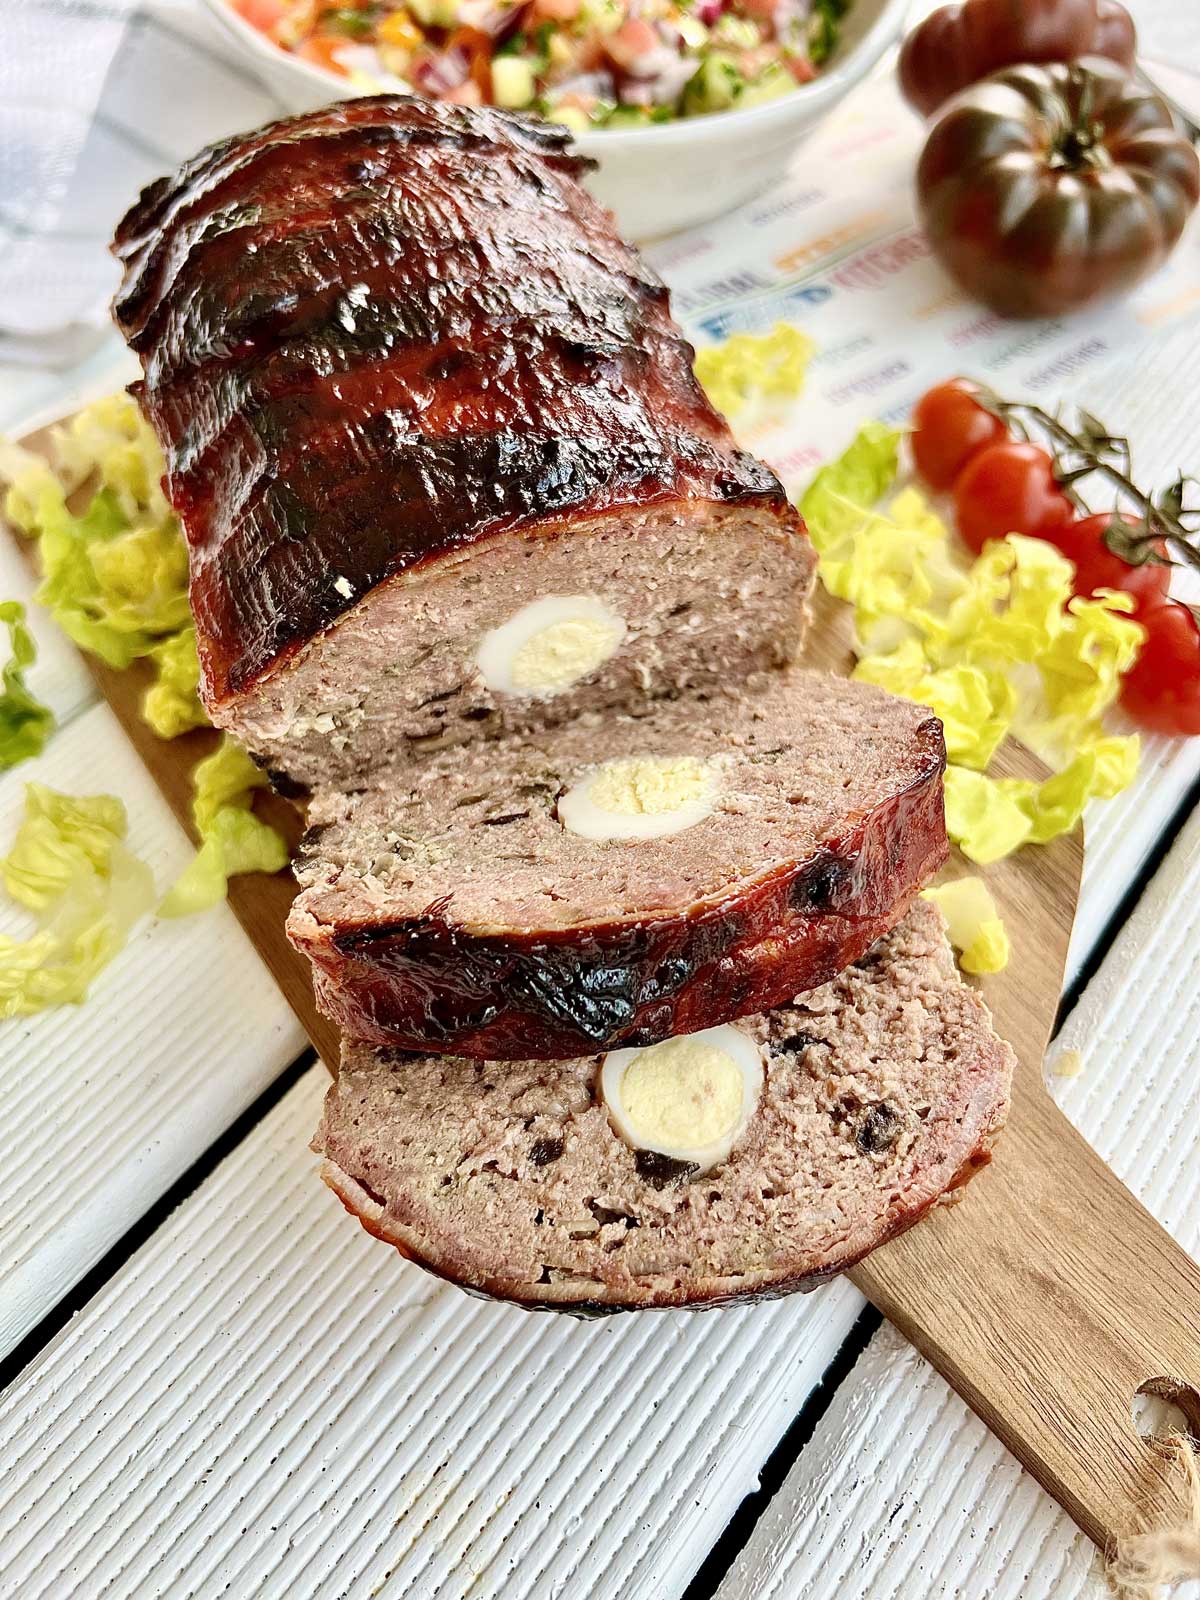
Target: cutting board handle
x: 1048, y: 1298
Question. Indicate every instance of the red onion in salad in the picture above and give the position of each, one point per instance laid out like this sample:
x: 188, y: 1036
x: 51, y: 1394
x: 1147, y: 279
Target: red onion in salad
x: 586, y: 86
x: 439, y: 74
x: 499, y: 22
x: 662, y: 86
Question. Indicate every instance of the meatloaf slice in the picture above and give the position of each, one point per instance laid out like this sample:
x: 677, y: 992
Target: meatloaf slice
x: 408, y: 381
x: 462, y: 909
x: 883, y: 1093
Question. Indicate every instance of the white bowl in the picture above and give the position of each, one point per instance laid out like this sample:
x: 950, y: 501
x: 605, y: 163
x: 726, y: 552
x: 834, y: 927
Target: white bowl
x: 670, y: 175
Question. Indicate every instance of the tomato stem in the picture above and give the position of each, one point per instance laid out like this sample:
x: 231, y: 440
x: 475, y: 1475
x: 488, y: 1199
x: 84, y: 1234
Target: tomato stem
x: 1082, y: 144
x: 1094, y: 450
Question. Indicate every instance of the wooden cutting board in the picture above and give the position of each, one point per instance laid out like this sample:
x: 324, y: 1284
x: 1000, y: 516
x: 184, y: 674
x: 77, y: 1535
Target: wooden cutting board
x: 1048, y: 1297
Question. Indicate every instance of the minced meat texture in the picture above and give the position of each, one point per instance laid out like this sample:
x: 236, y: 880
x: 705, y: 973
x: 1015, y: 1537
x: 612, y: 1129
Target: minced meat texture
x: 452, y: 910
x: 883, y: 1093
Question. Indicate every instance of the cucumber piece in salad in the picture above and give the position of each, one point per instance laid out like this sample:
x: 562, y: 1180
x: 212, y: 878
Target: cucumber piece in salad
x: 771, y: 84
x: 717, y: 85
x: 514, y: 85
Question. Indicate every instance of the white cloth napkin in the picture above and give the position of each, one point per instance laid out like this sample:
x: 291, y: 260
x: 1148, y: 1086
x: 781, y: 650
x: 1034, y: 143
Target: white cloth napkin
x: 97, y: 97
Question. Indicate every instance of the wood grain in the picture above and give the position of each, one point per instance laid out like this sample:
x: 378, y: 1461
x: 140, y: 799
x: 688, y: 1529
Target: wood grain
x: 1048, y: 1297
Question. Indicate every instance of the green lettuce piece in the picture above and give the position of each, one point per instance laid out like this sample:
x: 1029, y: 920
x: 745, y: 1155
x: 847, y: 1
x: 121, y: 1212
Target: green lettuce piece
x: 976, y: 707
x: 28, y: 477
x: 68, y: 865
x: 983, y: 818
x: 237, y: 841
x: 841, y: 496
x: 226, y: 778
x: 116, y: 589
x: 60, y: 837
x: 114, y: 577
x: 973, y: 924
x: 232, y: 838
x: 749, y: 366
x: 1056, y: 805
x: 171, y: 705
x: 113, y: 441
x: 996, y: 647
x: 25, y: 723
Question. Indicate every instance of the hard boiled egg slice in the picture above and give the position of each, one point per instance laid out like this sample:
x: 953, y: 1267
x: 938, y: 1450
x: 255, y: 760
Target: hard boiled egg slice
x: 549, y: 645
x: 640, y: 797
x: 688, y: 1098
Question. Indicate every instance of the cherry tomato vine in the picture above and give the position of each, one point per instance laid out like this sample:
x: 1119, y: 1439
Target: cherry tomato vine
x: 1014, y: 467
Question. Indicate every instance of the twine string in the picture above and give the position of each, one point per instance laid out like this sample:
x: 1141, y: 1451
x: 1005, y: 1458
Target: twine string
x: 1155, y: 1558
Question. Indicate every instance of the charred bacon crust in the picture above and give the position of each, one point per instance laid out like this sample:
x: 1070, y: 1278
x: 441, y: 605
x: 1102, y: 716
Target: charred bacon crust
x: 384, y: 330
x: 428, y: 984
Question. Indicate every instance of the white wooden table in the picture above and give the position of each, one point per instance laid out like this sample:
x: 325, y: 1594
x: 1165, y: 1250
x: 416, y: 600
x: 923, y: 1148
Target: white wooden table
x: 215, y: 1384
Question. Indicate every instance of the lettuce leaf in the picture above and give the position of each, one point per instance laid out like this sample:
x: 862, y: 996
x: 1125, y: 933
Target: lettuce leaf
x: 226, y: 778
x: 236, y: 841
x: 115, y: 576
x: 972, y: 923
x: 976, y: 707
x: 839, y: 500
x: 232, y: 838
x: 749, y: 365
x: 996, y: 647
x: 69, y: 866
x: 111, y: 439
x: 983, y: 819
x: 171, y: 705
x: 1056, y: 805
x: 60, y: 837
x: 25, y: 723
x: 116, y: 589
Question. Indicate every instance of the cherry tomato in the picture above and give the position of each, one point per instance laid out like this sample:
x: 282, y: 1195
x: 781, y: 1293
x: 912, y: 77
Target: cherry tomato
x: 1096, y: 567
x: 322, y: 50
x: 1009, y: 488
x: 949, y: 427
x: 262, y: 14
x: 1162, y: 688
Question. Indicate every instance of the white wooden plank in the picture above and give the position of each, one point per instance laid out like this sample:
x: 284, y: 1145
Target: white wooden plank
x: 903, y: 1491
x: 107, y: 1103
x: 267, y: 1402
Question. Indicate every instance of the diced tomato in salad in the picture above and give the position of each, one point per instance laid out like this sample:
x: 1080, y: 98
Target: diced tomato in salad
x: 586, y: 63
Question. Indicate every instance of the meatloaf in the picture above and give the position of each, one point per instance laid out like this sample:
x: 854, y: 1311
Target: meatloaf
x: 470, y: 906
x: 410, y: 386
x: 883, y: 1093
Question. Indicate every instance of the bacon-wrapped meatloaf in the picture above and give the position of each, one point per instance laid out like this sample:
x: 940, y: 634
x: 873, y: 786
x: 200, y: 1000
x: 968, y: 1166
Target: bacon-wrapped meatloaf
x: 435, y: 442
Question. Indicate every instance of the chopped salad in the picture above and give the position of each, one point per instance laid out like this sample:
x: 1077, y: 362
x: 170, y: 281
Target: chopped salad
x: 585, y: 63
